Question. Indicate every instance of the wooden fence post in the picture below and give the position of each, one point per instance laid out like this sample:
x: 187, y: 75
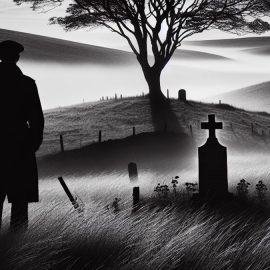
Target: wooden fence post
x: 165, y: 127
x: 62, y: 143
x: 136, y: 196
x: 99, y: 136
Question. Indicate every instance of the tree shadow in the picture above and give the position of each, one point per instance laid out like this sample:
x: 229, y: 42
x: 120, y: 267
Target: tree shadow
x: 164, y: 118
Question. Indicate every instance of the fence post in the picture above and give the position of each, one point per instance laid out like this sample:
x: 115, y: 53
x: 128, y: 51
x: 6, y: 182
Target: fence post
x: 168, y: 96
x: 165, y: 127
x: 133, y: 131
x: 136, y: 196
x: 99, y: 136
x: 62, y: 143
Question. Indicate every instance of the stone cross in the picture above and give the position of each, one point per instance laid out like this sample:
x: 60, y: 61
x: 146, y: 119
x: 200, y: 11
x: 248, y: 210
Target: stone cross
x: 212, y: 125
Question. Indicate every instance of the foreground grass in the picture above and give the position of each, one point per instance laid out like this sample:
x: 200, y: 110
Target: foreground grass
x: 183, y: 235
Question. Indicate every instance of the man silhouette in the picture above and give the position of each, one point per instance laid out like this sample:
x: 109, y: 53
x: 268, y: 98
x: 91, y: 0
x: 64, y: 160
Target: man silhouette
x: 22, y: 124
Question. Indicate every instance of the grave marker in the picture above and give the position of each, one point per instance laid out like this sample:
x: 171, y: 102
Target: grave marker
x: 213, y: 179
x: 182, y: 96
x: 132, y: 171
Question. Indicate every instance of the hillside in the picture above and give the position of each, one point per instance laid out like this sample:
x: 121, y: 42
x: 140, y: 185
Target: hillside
x: 239, y: 43
x: 255, y: 97
x: 47, y: 49
x: 159, y: 151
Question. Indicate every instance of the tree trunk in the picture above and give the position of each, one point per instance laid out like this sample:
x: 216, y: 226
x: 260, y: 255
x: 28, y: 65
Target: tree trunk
x: 152, y: 77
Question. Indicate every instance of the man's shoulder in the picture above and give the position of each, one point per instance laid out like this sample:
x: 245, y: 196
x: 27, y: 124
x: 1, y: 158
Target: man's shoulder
x: 28, y: 79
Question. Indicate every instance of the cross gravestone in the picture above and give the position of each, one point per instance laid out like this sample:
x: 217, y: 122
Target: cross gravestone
x: 182, y: 96
x: 132, y: 171
x: 213, y: 176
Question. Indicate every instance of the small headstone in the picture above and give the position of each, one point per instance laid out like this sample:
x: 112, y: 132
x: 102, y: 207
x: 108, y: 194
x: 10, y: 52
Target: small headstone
x: 182, y: 95
x: 132, y: 171
x: 213, y: 179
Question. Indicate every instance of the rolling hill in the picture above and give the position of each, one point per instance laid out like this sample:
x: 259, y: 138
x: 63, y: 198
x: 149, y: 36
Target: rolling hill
x: 255, y: 97
x: 158, y: 151
x: 239, y: 43
x: 47, y: 49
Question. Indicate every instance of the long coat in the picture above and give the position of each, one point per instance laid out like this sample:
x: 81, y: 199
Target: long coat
x: 22, y: 124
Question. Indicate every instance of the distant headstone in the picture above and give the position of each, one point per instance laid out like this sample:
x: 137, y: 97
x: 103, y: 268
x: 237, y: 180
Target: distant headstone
x: 213, y: 179
x: 132, y: 171
x: 182, y: 96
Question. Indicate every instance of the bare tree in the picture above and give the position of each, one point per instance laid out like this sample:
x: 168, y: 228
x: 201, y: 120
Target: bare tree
x: 154, y: 29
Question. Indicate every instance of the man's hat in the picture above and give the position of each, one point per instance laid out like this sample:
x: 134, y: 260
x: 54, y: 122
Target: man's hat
x: 10, y: 47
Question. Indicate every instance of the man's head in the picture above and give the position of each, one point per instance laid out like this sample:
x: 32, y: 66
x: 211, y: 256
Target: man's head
x: 10, y: 51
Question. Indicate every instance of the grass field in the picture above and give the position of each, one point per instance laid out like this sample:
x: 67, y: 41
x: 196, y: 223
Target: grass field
x: 171, y: 234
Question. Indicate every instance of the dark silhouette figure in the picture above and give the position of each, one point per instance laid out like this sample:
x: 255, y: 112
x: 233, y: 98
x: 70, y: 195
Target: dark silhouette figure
x: 213, y: 179
x: 21, y: 135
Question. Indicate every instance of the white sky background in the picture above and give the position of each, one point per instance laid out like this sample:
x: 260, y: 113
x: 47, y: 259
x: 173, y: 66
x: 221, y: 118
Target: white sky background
x: 210, y: 78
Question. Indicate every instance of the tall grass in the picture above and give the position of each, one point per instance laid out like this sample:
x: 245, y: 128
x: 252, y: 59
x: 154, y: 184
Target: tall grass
x: 183, y: 235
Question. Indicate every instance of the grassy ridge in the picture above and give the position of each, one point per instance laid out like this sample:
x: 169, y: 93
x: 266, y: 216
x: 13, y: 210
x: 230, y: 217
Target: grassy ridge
x: 80, y: 124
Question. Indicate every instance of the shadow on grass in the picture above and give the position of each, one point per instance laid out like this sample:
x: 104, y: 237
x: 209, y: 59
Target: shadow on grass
x: 160, y: 152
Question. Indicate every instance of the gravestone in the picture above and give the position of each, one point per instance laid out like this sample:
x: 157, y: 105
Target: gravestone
x: 213, y: 176
x: 182, y: 96
x: 132, y: 171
